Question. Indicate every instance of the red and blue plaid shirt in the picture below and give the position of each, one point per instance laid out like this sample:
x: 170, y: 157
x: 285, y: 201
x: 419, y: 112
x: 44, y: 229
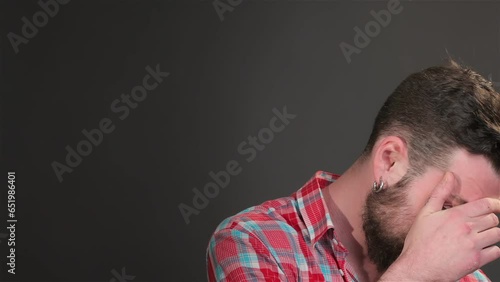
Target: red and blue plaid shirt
x: 287, y: 239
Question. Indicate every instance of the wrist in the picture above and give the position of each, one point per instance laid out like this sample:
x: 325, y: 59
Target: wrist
x: 400, y: 271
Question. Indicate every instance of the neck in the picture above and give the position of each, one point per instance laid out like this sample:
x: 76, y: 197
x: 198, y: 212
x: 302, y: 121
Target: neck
x: 345, y: 199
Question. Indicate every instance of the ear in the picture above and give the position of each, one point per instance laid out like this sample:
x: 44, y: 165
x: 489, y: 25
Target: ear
x: 390, y: 159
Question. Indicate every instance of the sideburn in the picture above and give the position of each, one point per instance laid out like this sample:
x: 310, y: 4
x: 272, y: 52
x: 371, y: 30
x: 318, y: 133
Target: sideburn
x: 384, y: 217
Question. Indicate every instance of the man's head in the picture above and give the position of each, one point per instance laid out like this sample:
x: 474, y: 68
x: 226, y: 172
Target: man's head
x: 440, y: 119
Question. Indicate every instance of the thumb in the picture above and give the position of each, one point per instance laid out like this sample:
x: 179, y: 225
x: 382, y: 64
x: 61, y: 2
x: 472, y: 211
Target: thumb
x: 440, y: 193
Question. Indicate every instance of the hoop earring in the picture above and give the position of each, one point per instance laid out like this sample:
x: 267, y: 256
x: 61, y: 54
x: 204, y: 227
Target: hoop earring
x: 378, y: 187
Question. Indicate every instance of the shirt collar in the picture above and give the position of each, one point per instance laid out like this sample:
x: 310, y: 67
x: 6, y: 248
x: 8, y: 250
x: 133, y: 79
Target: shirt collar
x: 312, y: 206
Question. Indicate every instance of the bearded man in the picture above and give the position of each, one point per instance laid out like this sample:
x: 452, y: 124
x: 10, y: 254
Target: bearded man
x: 418, y: 204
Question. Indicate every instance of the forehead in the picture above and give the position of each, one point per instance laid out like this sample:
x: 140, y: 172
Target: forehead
x: 476, y: 176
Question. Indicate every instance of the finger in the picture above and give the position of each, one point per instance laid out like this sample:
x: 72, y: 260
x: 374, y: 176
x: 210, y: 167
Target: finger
x: 485, y: 222
x: 488, y: 237
x: 489, y: 254
x: 440, y: 193
x: 481, y: 207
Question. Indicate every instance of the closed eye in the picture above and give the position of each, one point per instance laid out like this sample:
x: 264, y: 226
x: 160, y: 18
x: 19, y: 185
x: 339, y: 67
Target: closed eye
x: 447, y: 206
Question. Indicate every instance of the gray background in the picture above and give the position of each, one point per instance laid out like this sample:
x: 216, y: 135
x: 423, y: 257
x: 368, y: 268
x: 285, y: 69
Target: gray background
x: 119, y: 207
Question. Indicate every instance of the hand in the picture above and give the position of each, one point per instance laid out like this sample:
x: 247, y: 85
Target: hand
x: 445, y: 245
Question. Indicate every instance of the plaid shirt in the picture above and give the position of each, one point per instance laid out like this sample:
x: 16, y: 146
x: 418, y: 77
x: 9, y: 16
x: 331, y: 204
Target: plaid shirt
x: 287, y: 239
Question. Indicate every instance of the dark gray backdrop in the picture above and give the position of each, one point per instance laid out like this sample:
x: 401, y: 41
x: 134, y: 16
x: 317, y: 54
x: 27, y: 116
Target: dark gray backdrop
x: 118, y: 210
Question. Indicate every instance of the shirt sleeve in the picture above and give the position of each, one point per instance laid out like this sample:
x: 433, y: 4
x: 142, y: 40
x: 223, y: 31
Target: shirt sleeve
x: 236, y: 255
x: 476, y: 276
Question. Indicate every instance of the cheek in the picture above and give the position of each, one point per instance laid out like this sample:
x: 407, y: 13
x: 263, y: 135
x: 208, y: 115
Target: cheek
x: 397, y: 220
x: 419, y: 192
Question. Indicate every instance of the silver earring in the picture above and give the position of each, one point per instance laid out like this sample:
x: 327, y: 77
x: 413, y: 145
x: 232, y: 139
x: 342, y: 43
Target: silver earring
x: 378, y: 187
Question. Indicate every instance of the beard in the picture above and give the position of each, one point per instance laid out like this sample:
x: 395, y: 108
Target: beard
x: 386, y: 222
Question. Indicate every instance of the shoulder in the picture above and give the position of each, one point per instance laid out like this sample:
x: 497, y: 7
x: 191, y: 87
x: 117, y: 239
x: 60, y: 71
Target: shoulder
x: 274, y: 227
x: 273, y: 216
x: 255, y: 242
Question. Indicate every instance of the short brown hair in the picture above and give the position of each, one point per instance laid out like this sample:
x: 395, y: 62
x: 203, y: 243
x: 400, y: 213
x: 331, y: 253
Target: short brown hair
x: 438, y: 110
